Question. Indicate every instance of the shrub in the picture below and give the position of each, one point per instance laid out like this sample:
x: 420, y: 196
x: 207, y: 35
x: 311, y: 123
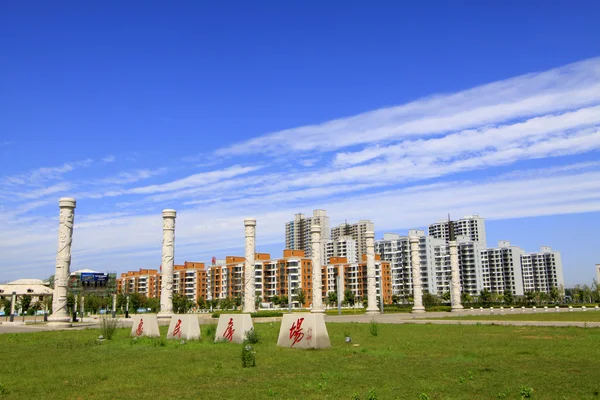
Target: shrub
x: 439, y: 308
x: 251, y: 336
x: 108, y: 327
x: 248, y: 358
x: 263, y: 314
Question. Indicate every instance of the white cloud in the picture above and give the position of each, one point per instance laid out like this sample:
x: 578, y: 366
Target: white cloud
x: 109, y: 159
x: 561, y: 89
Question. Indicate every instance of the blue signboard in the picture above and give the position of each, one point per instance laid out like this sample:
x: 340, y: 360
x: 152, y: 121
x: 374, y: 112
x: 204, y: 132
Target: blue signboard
x: 93, y: 277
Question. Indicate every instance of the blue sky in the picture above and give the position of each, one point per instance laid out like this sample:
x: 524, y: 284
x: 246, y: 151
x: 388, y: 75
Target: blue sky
x: 398, y: 112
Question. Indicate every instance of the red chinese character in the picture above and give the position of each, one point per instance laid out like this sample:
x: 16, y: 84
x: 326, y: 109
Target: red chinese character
x: 177, y: 329
x: 229, y: 331
x: 296, y: 331
x: 140, y: 328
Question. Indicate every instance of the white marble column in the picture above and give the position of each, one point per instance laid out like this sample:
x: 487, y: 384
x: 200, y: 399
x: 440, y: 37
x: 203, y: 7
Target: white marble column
x: 249, y: 268
x: 455, y: 287
x: 13, y: 303
x: 317, y: 278
x: 114, y: 305
x: 416, y: 275
x: 63, y: 260
x: 371, y: 275
x: 168, y: 257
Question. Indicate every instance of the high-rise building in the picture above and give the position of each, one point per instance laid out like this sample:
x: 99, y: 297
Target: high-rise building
x: 542, y: 271
x: 345, y: 247
x: 598, y: 273
x: 355, y: 231
x: 297, y: 233
x: 472, y: 226
x: 502, y: 268
x: 395, y: 249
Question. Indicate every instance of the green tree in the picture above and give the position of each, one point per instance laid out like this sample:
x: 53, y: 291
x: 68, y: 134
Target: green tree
x: 153, y: 303
x: 332, y: 299
x: 201, y: 303
x: 430, y: 300
x: 349, y: 297
x: 283, y: 300
x: 300, y: 296
x: 276, y: 300
x: 509, y: 298
x: 446, y: 296
x: 238, y: 300
x: 485, y: 297
x: 181, y: 304
x: 25, y: 302
x: 137, y: 300
x: 395, y: 299
x: 554, y: 294
x: 227, y: 303
x: 465, y: 298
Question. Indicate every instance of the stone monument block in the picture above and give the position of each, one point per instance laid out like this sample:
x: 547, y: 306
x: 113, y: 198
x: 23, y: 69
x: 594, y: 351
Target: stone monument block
x: 184, y: 326
x: 145, y: 325
x: 233, y: 327
x: 303, y: 331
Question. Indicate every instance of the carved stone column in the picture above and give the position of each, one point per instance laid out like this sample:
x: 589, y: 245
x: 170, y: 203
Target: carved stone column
x: 168, y: 257
x: 371, y: 275
x: 416, y: 275
x: 455, y: 287
x: 249, y: 268
x: 317, y: 278
x: 63, y: 260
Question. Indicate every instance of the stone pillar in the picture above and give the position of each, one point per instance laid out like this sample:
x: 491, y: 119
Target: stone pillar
x: 317, y: 278
x: 455, y: 287
x: 249, y: 268
x: 371, y: 275
x: 114, y: 305
x: 416, y: 275
x: 13, y: 302
x: 168, y: 256
x: 63, y: 260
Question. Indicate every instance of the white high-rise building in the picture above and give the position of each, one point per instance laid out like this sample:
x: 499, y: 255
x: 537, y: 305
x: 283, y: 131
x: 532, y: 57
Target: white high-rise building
x: 542, y: 270
x: 472, y: 226
x: 396, y: 250
x: 503, y: 269
x: 472, y: 275
x: 345, y: 246
x: 355, y: 231
x: 297, y: 233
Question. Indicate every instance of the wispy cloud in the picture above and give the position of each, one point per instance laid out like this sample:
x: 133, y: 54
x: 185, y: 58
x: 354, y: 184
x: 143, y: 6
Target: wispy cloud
x: 398, y: 166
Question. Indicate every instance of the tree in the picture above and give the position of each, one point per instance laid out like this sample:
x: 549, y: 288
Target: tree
x: 485, y: 297
x: 395, y: 299
x: 430, y: 300
x: 554, y: 294
x: 25, y: 302
x: 465, y: 298
x: 153, y: 304
x: 283, y: 300
x: 227, y: 303
x: 201, y: 303
x: 446, y: 296
x: 238, y: 300
x: 181, y: 304
x: 509, y: 298
x: 276, y: 300
x: 137, y: 300
x: 300, y: 296
x: 349, y: 297
x: 332, y: 298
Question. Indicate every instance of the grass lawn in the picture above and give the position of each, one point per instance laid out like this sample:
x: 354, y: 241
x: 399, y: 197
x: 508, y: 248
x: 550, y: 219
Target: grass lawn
x: 401, y: 362
x: 575, y: 316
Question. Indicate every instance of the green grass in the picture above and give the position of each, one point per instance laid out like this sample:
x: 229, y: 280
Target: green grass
x: 574, y: 316
x: 401, y: 362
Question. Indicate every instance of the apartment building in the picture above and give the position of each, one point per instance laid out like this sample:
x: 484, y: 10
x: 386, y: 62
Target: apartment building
x: 395, y: 249
x: 355, y: 231
x: 542, y: 270
x: 189, y: 279
x: 502, y: 268
x: 344, y: 246
x: 297, y: 233
x: 471, y: 226
x: 144, y: 281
